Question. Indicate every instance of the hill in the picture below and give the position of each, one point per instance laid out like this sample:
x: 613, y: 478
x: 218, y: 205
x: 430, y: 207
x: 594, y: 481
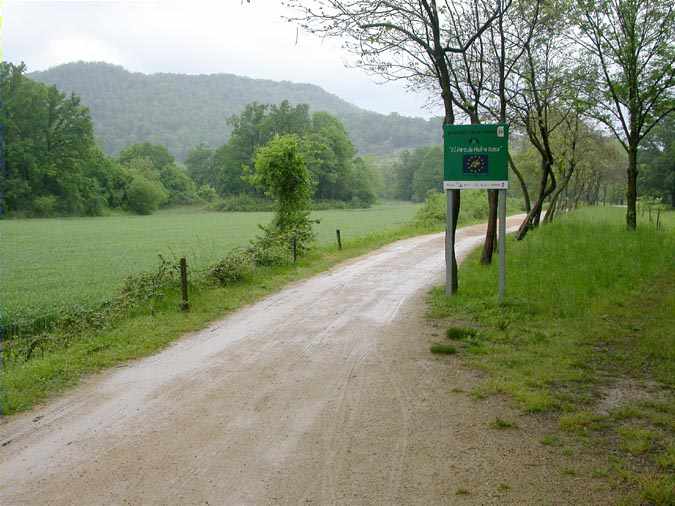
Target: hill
x: 181, y: 111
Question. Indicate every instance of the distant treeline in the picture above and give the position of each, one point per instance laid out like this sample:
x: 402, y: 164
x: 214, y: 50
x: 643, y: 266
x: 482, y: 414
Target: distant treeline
x: 52, y: 165
x: 182, y: 111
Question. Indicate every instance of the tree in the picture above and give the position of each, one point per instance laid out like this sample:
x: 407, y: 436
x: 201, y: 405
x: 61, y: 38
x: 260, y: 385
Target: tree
x: 657, y: 162
x: 281, y: 171
x: 48, y: 147
x: 158, y: 155
x: 155, y: 163
x: 407, y: 40
x: 631, y: 42
x: 542, y: 101
x: 145, y: 196
x: 200, y: 166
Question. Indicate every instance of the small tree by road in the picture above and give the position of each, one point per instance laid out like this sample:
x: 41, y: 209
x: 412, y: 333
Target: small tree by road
x: 281, y: 172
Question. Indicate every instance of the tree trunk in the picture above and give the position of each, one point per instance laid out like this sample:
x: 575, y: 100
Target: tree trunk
x: 491, y: 233
x: 523, y: 185
x: 631, y: 189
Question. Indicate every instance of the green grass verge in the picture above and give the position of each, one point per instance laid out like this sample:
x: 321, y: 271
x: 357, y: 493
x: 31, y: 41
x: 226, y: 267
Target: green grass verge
x: 589, y: 316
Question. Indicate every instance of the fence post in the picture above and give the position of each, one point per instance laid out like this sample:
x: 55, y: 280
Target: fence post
x: 294, y: 244
x: 184, y: 304
x: 658, y: 219
x: 339, y: 239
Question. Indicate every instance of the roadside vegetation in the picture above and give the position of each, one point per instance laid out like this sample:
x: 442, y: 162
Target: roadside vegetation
x: 50, y: 266
x: 585, y: 336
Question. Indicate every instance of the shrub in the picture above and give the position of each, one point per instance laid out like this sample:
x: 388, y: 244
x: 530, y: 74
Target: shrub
x: 270, y: 249
x: 207, y: 193
x: 145, y: 196
x: 45, y: 205
x: 233, y: 268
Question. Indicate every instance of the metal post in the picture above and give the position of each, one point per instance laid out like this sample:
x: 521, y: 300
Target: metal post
x: 449, y: 245
x: 184, y: 304
x: 502, y: 244
x: 339, y: 239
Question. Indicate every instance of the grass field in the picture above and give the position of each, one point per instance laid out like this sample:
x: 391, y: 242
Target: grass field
x: 586, y: 335
x: 49, y: 264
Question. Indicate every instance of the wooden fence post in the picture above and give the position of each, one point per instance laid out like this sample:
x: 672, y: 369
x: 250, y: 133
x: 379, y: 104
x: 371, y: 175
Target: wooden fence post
x: 339, y: 239
x: 294, y: 244
x: 658, y: 219
x: 184, y: 304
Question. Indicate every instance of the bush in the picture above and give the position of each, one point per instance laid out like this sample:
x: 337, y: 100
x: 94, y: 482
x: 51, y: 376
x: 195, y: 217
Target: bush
x: 473, y: 205
x: 145, y: 196
x: 233, y: 268
x: 207, y: 193
x: 44, y: 206
x: 270, y: 249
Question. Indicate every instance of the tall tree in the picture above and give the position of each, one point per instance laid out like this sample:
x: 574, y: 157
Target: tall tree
x: 632, y: 42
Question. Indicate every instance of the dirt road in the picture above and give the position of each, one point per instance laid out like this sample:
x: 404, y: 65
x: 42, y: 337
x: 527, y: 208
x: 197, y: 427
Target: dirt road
x: 324, y: 393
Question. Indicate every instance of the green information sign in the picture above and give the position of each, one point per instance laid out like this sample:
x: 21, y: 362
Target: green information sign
x: 476, y: 156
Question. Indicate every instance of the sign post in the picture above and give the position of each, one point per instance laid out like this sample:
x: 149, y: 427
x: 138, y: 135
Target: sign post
x: 476, y: 157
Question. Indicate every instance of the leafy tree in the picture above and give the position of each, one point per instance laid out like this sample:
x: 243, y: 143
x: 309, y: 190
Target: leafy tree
x: 155, y: 163
x: 657, y: 162
x: 49, y: 145
x: 144, y: 195
x: 631, y: 43
x: 200, y: 166
x: 158, y: 155
x: 281, y: 171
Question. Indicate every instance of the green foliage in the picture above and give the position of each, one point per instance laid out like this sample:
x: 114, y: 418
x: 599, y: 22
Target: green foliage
x: 207, y: 193
x: 232, y: 268
x: 182, y: 111
x: 156, y: 164
x: 443, y: 349
x: 280, y: 169
x: 199, y: 163
x: 49, y: 150
x: 474, y: 207
x: 657, y: 163
x: 45, y: 206
x: 145, y: 196
x: 70, y: 252
x: 323, y: 143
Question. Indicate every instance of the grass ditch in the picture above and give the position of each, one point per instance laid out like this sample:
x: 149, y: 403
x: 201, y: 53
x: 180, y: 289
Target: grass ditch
x: 586, y: 336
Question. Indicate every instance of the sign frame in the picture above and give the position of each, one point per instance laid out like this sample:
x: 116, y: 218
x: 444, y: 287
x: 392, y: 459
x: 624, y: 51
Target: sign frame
x: 476, y: 157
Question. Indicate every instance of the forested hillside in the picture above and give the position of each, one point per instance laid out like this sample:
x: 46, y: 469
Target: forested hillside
x: 182, y: 111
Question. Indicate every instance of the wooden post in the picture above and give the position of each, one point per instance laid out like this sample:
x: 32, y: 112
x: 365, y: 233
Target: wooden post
x: 658, y: 219
x: 184, y: 304
x: 650, y: 214
x: 294, y: 245
x: 339, y: 239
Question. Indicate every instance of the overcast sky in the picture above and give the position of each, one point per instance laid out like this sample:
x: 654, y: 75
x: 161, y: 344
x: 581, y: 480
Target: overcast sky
x: 192, y: 37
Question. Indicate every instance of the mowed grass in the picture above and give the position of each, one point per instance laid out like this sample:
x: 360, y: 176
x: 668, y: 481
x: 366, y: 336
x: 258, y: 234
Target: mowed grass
x: 51, y: 264
x: 587, y: 334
